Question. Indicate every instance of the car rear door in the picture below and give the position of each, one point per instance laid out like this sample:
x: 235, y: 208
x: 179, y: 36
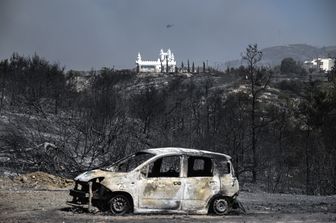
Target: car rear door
x: 200, y: 183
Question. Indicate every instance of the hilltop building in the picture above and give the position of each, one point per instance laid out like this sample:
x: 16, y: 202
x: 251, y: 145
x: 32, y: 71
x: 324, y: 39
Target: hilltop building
x: 164, y: 64
x: 325, y: 64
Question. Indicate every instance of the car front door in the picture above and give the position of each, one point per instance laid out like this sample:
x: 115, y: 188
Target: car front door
x: 161, y: 187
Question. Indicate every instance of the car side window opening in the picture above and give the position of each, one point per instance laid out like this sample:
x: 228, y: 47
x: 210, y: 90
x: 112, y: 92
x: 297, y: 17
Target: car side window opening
x: 223, y: 167
x: 168, y: 166
x: 200, y: 167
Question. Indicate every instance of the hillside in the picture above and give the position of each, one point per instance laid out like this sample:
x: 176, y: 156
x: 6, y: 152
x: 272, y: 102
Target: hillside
x: 299, y: 52
x: 50, y: 124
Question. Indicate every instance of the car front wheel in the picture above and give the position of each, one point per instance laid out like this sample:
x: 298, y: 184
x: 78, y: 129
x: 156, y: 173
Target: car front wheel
x: 119, y: 204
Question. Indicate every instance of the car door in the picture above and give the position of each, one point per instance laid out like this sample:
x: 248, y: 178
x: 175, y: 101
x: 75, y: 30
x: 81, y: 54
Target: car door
x: 200, y: 183
x: 161, y: 188
x: 229, y: 183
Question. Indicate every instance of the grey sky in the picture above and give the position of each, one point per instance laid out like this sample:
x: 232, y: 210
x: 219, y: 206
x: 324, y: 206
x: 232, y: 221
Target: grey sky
x: 90, y: 34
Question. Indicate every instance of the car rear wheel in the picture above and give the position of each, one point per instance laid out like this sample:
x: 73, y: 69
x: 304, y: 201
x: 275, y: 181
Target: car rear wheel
x: 119, y: 204
x: 220, y: 206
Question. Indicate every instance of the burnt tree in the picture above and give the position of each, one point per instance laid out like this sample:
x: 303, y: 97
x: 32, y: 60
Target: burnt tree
x: 257, y: 81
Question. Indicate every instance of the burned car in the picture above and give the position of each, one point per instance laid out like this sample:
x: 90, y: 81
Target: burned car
x: 171, y: 180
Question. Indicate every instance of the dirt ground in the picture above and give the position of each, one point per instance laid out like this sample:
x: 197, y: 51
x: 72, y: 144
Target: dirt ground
x: 21, y: 202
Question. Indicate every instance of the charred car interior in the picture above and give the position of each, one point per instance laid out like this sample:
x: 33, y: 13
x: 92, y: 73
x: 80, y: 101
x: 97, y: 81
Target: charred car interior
x: 172, y: 180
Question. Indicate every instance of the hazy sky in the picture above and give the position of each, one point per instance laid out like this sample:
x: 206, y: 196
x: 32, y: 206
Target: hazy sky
x: 85, y: 34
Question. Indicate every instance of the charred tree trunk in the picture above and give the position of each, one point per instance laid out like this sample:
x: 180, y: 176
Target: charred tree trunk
x: 254, y: 142
x: 307, y: 163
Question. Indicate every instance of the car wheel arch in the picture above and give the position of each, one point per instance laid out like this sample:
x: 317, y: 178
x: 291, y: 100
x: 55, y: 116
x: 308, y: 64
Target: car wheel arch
x: 213, y: 198
x: 126, y: 194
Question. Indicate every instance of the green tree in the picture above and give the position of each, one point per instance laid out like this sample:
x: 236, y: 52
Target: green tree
x: 289, y: 65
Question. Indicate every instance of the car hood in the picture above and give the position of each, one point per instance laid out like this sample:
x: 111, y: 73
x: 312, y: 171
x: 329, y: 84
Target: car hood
x: 97, y: 173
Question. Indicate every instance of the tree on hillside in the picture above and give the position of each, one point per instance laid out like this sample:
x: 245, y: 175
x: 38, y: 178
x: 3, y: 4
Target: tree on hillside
x: 332, y: 73
x: 167, y: 69
x: 32, y: 81
x: 317, y: 114
x: 3, y: 71
x: 257, y: 81
x: 289, y: 65
x: 146, y: 105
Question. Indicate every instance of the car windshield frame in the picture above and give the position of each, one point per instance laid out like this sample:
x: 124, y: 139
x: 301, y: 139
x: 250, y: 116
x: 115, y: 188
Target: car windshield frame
x: 130, y: 161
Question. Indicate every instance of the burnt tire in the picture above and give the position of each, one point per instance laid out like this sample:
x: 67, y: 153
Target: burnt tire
x: 220, y: 206
x: 119, y: 204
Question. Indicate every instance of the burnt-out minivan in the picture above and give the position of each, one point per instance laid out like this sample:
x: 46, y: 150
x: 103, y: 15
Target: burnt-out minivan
x: 169, y: 180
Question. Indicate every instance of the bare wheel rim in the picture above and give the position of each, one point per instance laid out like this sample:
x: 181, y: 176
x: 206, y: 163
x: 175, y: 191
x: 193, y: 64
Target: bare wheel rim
x: 220, y: 206
x: 119, y: 204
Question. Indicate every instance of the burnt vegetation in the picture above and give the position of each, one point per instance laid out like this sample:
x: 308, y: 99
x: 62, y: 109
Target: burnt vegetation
x: 281, y: 135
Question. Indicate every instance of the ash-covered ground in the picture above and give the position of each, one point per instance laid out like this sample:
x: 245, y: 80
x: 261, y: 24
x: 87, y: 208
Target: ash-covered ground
x: 41, y: 197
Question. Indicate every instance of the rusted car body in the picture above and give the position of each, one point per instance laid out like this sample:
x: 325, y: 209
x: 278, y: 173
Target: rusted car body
x: 173, y: 180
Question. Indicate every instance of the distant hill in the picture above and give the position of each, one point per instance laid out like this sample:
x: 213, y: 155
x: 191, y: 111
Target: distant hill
x: 299, y: 52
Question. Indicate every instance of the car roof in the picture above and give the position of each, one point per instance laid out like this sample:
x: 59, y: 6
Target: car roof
x: 184, y: 151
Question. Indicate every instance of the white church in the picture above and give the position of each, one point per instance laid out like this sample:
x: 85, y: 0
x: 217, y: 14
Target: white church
x: 164, y: 64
